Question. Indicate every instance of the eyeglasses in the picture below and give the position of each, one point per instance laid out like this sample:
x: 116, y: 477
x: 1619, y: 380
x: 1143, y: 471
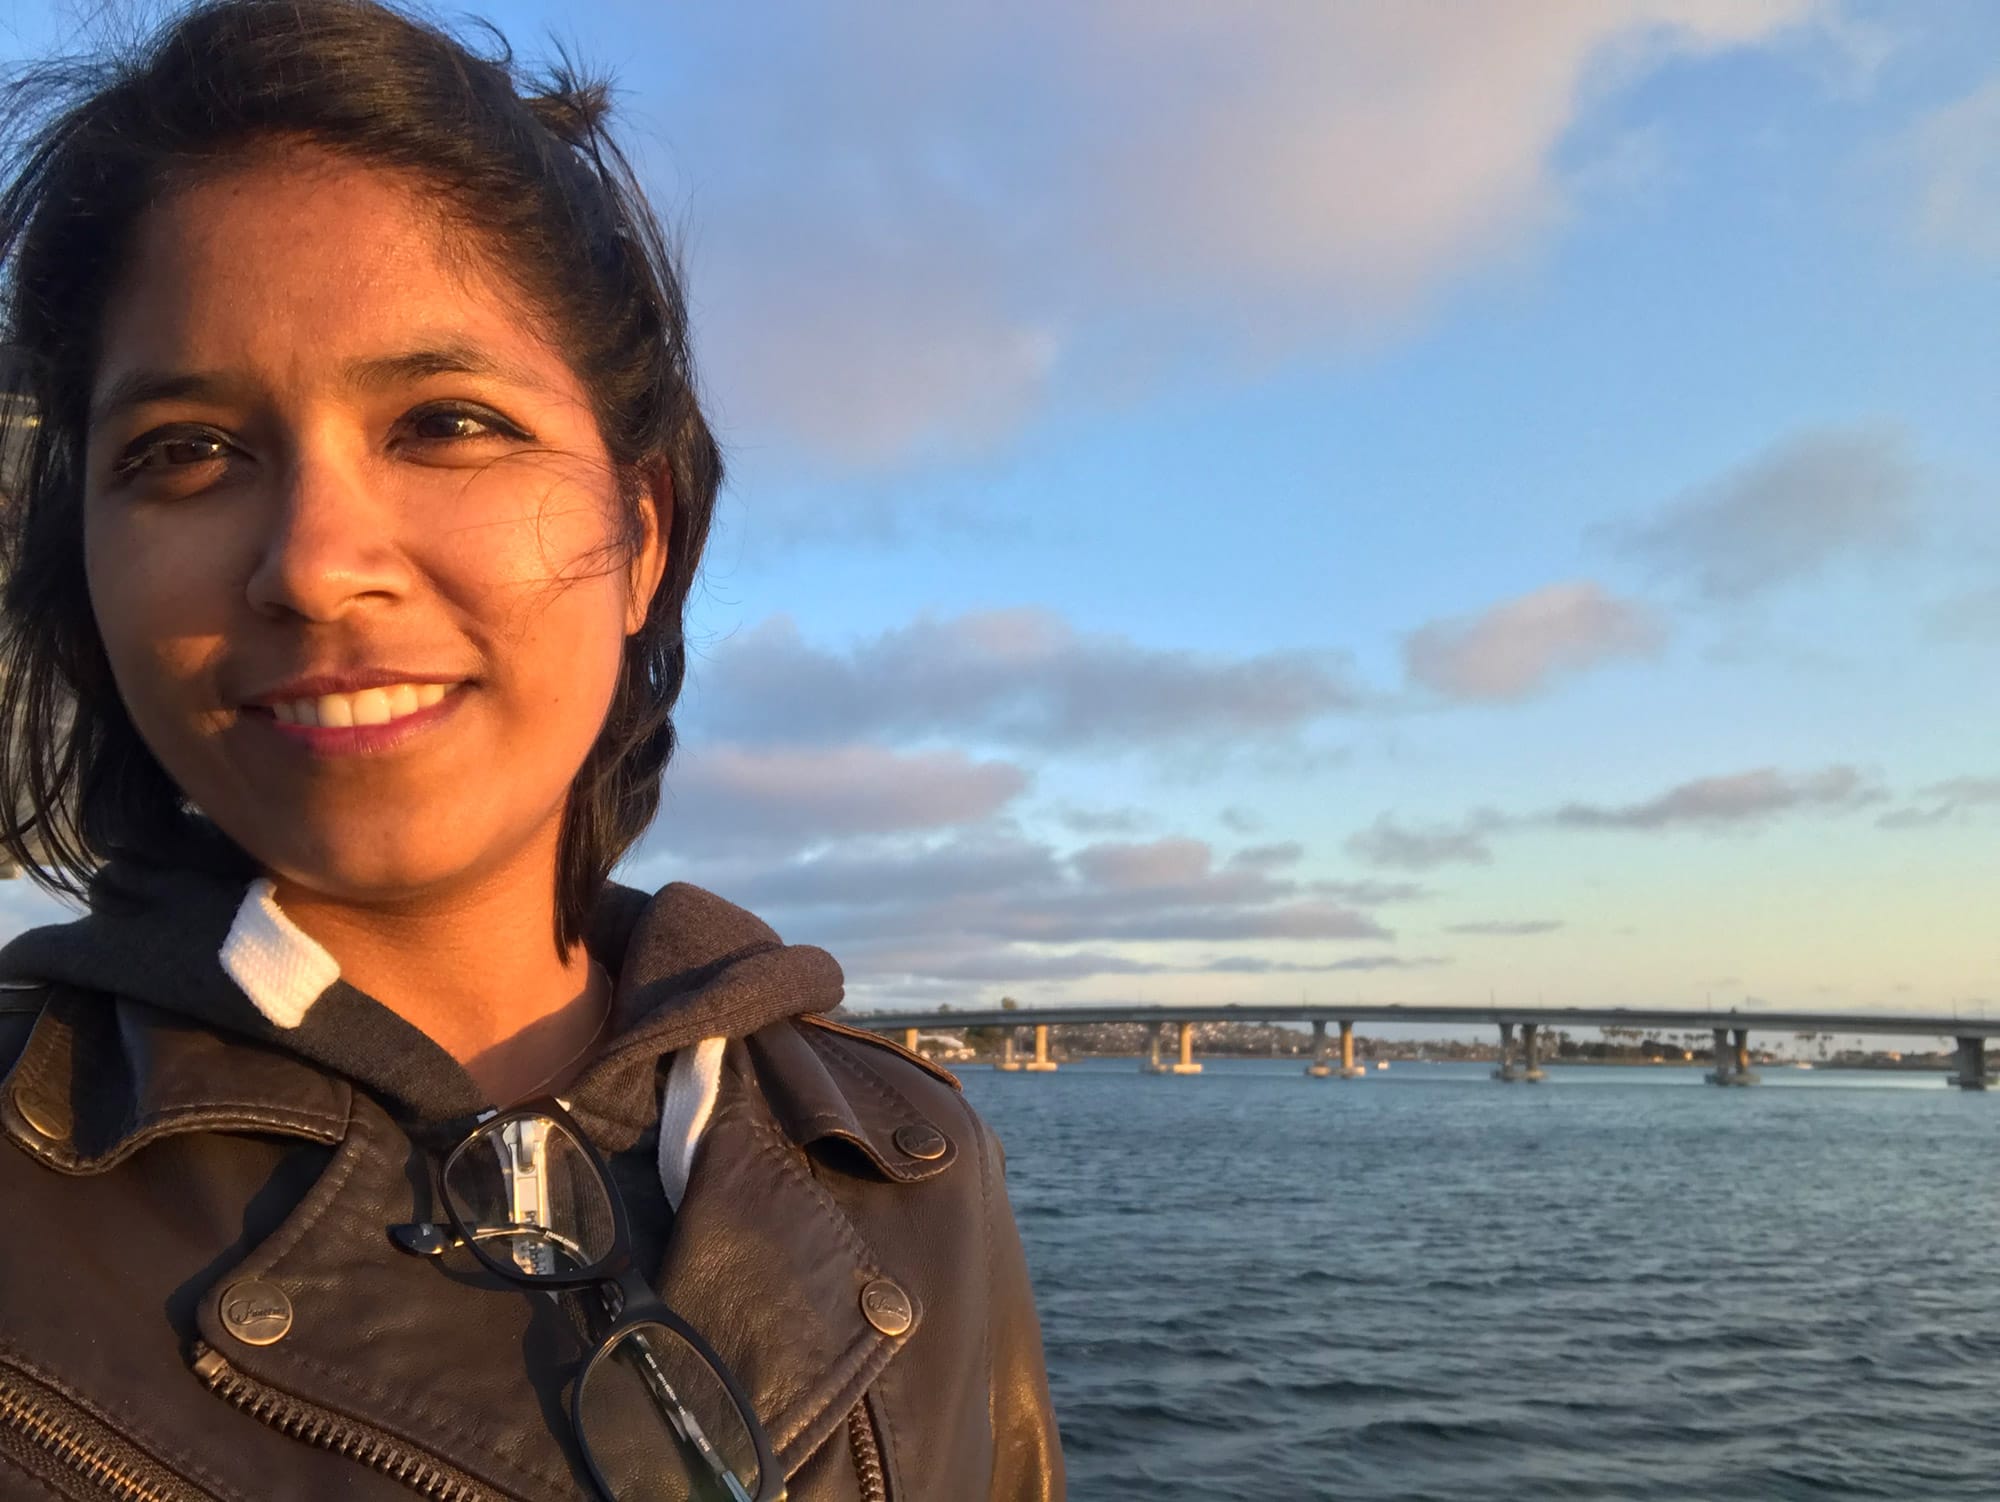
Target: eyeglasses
x: 658, y: 1415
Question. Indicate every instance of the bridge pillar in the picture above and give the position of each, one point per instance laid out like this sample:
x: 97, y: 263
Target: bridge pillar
x: 1319, y: 1069
x: 910, y: 1039
x: 1007, y: 1060
x: 1505, y: 1072
x: 1187, y: 1064
x: 1153, y: 1063
x: 1349, y: 1070
x: 1531, y: 1053
x: 1732, y: 1058
x: 1971, y: 1064
x: 1041, y: 1063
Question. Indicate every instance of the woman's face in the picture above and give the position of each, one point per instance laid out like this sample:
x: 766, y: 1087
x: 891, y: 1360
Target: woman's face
x: 354, y: 544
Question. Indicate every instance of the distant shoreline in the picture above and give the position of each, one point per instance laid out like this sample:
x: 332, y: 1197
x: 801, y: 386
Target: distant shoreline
x: 1938, y: 1065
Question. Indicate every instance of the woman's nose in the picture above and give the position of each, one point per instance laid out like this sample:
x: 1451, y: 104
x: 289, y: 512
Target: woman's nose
x: 330, y: 544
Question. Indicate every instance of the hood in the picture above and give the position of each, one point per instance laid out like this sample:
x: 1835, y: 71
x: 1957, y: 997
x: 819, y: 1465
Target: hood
x: 688, y: 966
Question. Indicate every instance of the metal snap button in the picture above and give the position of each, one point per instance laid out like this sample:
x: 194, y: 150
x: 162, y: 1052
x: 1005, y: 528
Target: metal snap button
x: 255, y: 1312
x: 42, y: 1117
x: 920, y: 1140
x: 887, y: 1307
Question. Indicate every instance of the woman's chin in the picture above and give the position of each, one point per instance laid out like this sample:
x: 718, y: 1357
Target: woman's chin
x: 375, y: 878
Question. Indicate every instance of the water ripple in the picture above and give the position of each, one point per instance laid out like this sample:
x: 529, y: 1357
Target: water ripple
x: 1428, y: 1286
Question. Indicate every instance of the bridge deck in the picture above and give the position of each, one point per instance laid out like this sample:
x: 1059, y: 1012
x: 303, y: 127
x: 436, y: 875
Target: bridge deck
x: 1663, y: 1018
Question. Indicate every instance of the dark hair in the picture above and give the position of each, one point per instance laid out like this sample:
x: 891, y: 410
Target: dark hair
x: 528, y: 166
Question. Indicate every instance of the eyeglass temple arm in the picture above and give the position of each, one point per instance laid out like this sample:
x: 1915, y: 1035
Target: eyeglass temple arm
x: 426, y: 1238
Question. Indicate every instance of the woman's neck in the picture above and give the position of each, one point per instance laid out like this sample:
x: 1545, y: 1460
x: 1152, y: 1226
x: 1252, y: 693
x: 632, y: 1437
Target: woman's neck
x: 476, y: 971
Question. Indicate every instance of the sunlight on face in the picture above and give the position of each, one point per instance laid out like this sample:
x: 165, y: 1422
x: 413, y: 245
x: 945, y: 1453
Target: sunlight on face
x: 352, y: 534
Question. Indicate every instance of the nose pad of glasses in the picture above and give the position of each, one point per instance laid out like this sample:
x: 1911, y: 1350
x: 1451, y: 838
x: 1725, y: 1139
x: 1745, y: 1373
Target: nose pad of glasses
x: 421, y: 1239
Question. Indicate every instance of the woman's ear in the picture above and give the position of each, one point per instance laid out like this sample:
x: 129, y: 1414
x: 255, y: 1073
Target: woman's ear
x: 649, y: 559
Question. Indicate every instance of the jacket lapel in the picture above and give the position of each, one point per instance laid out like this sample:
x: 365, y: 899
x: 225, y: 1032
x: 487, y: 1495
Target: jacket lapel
x: 767, y: 1265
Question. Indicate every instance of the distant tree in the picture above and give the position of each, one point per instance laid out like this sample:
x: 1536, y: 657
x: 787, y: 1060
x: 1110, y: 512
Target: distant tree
x: 1008, y: 1004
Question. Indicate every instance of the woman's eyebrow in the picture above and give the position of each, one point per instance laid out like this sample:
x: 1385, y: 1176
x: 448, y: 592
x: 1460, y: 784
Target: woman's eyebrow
x: 452, y: 357
x: 135, y: 388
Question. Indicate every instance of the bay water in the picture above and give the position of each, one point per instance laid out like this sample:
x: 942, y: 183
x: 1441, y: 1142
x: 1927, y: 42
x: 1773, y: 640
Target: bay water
x: 1619, y: 1284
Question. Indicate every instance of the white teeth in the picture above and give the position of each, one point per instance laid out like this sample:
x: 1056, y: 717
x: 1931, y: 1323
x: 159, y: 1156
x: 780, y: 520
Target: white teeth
x: 368, y: 706
x: 371, y: 707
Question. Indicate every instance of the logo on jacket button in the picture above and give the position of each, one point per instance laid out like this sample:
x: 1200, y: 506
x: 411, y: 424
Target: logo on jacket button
x: 887, y: 1307
x: 923, y: 1142
x: 255, y: 1312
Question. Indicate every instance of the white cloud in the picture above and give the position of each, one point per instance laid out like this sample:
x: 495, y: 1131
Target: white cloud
x: 933, y: 216
x: 1515, y: 648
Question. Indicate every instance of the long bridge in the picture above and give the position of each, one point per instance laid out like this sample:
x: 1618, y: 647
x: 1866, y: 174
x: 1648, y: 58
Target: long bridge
x: 1520, y: 1031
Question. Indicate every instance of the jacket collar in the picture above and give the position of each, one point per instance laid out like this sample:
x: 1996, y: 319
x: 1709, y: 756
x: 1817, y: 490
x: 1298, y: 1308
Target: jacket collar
x: 98, y: 1078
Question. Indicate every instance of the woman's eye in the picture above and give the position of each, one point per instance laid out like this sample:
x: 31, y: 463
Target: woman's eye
x: 173, y: 451
x: 458, y: 424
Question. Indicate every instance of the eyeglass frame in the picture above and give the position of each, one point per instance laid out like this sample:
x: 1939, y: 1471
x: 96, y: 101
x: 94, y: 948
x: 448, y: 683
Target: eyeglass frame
x: 638, y: 1304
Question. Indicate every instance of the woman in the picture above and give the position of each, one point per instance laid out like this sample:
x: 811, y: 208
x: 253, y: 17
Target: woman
x: 343, y: 622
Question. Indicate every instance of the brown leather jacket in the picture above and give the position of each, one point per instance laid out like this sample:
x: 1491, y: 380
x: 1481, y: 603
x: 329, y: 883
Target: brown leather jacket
x: 199, y: 1298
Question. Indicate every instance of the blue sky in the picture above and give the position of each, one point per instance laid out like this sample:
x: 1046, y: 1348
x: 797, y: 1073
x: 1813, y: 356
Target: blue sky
x: 1390, y: 502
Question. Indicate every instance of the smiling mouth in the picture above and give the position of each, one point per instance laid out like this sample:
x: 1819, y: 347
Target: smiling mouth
x: 368, y: 706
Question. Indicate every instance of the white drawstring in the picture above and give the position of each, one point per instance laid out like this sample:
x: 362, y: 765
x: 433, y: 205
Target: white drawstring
x: 693, y: 1080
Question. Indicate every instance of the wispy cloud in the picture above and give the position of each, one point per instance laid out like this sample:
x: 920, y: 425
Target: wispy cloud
x: 1507, y: 927
x: 1945, y: 802
x: 1363, y: 963
x: 1973, y: 616
x: 1735, y: 800
x: 1097, y: 821
x: 725, y: 797
x: 1021, y: 677
x: 1787, y: 514
x: 1275, y: 175
x: 1515, y: 648
x: 1421, y: 847
x: 1951, y: 158
x: 1269, y: 857
x: 1738, y: 799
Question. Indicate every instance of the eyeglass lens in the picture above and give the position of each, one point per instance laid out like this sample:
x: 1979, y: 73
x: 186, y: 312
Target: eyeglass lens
x: 660, y: 1425
x: 532, y: 1201
x: 654, y: 1415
